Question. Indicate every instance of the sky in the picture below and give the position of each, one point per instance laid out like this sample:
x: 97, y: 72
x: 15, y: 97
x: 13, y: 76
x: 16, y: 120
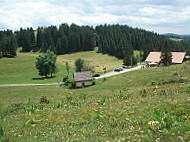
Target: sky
x: 160, y: 16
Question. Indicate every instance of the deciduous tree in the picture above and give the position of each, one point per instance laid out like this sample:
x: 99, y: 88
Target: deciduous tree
x: 45, y: 63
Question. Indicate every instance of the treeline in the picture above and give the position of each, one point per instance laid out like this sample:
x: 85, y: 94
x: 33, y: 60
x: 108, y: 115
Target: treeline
x: 26, y: 39
x: 116, y: 40
x: 62, y: 40
x: 8, y: 44
x: 185, y: 44
x: 122, y: 40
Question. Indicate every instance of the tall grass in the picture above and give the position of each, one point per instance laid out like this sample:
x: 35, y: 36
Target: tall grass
x: 117, y: 116
x: 146, y: 105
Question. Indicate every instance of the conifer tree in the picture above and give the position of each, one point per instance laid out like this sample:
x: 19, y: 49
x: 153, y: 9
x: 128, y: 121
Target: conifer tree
x: 166, y: 55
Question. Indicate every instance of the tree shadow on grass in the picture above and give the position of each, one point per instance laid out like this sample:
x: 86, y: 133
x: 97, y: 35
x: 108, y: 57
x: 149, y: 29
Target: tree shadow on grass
x: 43, y: 78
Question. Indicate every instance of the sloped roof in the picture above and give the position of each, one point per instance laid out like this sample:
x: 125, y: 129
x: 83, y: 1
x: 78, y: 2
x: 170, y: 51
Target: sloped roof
x: 153, y: 57
x: 83, y: 76
x: 177, y: 57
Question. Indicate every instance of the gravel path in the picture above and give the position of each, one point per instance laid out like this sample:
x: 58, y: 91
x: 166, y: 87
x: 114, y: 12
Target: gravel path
x: 115, y: 73
x: 6, y: 85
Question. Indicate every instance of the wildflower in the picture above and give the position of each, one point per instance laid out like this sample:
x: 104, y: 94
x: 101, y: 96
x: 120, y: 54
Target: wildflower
x: 120, y: 85
x: 153, y: 123
x: 52, y: 100
x: 128, y: 137
x: 127, y: 119
x: 33, y: 125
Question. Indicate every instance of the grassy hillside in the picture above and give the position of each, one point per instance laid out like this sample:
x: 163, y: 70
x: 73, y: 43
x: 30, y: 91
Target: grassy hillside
x: 148, y: 105
x: 176, y: 39
x: 22, y: 70
x: 98, y: 60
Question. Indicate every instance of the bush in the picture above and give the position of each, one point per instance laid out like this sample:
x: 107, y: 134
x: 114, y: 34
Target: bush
x: 43, y: 99
x: 94, y: 82
x: 65, y: 78
x: 1, y: 129
x: 87, y: 66
x: 143, y: 92
x: 130, y: 60
x: 79, y: 63
x: 67, y: 82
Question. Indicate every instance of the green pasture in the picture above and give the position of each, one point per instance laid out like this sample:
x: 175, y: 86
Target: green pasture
x: 21, y: 70
x: 150, y: 104
x: 98, y: 60
x: 176, y: 39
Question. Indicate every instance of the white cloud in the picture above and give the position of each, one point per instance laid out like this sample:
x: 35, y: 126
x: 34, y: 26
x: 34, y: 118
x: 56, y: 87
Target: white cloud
x: 142, y: 13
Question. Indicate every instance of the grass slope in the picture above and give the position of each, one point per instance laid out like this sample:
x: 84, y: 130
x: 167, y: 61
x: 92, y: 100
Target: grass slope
x: 151, y: 104
x: 98, y: 60
x: 22, y: 70
x: 176, y: 39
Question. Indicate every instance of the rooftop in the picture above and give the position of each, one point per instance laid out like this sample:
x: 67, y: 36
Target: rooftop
x: 177, y: 57
x: 83, y: 76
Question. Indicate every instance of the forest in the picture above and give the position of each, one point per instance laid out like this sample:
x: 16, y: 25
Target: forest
x: 8, y: 44
x: 116, y: 40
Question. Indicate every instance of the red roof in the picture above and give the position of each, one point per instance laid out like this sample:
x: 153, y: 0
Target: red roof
x: 177, y: 57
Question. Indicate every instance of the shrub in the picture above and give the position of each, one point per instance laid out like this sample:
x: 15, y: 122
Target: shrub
x: 101, y: 101
x: 163, y: 92
x: 79, y: 63
x: 143, y: 93
x: 43, y: 99
x: 94, y: 82
x: 163, y: 118
x: 87, y: 66
x: 187, y: 89
x: 65, y: 78
x: 30, y: 108
x: 69, y: 81
x: 1, y: 129
x: 121, y: 95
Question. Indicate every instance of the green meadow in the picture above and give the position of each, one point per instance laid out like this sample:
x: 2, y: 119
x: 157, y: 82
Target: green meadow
x: 98, y: 60
x: 22, y: 70
x: 150, y: 104
x: 176, y: 39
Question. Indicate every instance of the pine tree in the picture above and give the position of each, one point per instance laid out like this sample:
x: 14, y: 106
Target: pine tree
x: 166, y: 55
x: 59, y: 46
x: 79, y: 63
x: 13, y: 46
x: 32, y: 37
x: 40, y: 39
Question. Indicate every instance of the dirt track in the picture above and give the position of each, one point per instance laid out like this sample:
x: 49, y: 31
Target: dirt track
x: 6, y: 85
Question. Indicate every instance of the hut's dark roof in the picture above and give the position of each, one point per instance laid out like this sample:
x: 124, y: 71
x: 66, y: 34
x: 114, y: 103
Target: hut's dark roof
x: 83, y: 76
